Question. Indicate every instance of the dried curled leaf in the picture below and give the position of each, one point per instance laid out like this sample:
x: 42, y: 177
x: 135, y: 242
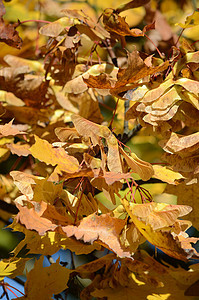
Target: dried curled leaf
x: 142, y: 168
x: 95, y: 131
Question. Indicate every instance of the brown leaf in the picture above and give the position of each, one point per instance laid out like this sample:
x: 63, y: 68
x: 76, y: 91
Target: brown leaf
x: 183, y: 145
x: 32, y: 89
x: 103, y: 228
x: 115, y: 23
x: 131, y: 4
x: 9, y: 35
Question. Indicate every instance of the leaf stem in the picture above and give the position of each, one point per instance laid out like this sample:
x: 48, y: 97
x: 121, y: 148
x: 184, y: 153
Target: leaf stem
x: 37, y: 21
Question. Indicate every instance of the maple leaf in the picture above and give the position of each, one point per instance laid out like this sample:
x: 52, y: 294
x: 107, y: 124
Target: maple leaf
x: 9, y: 35
x: 32, y: 89
x: 50, y: 155
x: 48, y: 283
x: 9, y: 129
x: 127, y: 78
x: 33, y: 220
x: 49, y: 243
x: 12, y: 268
x: 152, y: 216
x: 142, y: 168
x: 93, y: 228
x: 96, y: 131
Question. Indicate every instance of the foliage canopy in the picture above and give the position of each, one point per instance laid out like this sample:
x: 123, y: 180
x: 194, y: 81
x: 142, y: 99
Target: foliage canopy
x: 83, y: 90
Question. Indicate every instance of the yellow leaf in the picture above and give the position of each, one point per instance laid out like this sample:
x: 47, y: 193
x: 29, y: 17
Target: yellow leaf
x: 191, y: 20
x: 158, y: 297
x: 12, y: 268
x: 44, y: 151
x: 46, y: 191
x: 152, y: 218
x: 166, y: 175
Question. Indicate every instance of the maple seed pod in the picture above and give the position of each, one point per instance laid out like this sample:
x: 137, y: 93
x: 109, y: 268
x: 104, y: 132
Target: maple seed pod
x: 120, y: 209
x: 105, y: 132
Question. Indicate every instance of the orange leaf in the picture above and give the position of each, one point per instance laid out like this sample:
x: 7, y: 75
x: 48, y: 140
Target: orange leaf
x: 9, y: 129
x: 32, y: 219
x: 103, y: 228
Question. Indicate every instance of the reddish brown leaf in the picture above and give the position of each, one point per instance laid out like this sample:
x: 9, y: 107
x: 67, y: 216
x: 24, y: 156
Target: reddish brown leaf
x: 9, y: 35
x: 131, y: 4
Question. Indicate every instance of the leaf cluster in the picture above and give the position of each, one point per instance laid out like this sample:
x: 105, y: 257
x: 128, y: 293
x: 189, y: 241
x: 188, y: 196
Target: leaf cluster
x: 80, y: 186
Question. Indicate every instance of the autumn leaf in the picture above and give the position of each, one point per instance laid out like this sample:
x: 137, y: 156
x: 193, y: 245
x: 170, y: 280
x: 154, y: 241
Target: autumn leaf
x: 93, y: 228
x: 77, y: 188
x: 142, y: 168
x: 33, y: 220
x: 167, y: 175
x: 152, y: 216
x: 96, y: 131
x: 9, y: 35
x: 48, y: 283
x: 53, y: 156
x: 191, y: 20
x: 12, y: 268
x: 9, y: 129
x: 49, y: 243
